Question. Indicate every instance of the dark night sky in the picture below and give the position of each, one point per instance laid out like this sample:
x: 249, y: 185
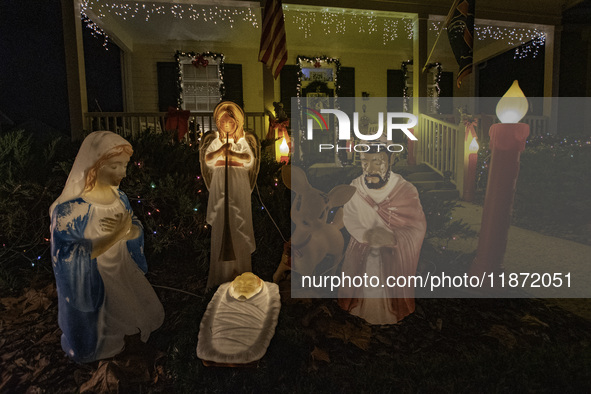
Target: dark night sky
x: 33, y: 81
x: 32, y: 72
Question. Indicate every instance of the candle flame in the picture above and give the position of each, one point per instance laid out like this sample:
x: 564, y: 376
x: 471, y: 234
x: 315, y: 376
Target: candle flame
x: 284, y: 148
x: 513, y: 105
x: 473, y: 148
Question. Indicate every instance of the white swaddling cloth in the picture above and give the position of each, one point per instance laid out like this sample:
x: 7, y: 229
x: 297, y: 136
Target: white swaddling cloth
x: 238, y: 332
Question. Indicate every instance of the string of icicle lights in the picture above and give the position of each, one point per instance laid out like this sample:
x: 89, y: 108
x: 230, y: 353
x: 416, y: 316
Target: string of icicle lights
x: 341, y: 21
x: 196, y: 12
x: 331, y: 21
x: 95, y: 30
x: 513, y: 36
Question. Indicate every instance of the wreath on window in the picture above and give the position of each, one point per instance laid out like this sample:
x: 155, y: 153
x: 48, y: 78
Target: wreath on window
x: 199, y: 60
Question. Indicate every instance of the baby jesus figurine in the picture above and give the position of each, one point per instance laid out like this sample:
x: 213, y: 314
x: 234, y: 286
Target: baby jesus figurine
x: 239, y: 322
x: 229, y: 162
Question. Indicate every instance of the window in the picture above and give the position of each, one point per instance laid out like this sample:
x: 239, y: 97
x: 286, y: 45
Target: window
x: 200, y: 85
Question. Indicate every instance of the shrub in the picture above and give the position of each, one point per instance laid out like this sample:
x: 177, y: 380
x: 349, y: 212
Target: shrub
x: 553, y: 193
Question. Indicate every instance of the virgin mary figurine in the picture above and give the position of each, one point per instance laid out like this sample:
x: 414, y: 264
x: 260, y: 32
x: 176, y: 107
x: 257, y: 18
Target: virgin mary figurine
x: 230, y: 159
x: 97, y: 255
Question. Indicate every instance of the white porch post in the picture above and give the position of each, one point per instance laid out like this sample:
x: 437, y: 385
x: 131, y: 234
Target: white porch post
x: 269, y: 88
x: 419, y: 78
x: 76, y: 75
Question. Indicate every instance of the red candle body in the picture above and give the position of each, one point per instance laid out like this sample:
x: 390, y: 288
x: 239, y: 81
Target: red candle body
x: 507, y: 141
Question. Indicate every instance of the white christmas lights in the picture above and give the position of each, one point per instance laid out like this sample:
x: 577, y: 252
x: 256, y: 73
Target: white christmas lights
x: 333, y: 21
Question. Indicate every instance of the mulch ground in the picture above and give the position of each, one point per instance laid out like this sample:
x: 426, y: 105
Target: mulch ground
x: 334, y: 344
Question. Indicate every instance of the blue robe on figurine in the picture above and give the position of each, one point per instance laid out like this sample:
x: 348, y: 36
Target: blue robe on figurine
x: 100, y: 300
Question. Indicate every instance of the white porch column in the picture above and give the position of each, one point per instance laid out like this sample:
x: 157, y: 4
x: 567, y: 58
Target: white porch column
x: 419, y: 78
x: 75, y: 72
x: 269, y: 88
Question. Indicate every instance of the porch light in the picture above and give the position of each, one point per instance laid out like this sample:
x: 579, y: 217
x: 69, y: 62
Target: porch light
x: 513, y: 106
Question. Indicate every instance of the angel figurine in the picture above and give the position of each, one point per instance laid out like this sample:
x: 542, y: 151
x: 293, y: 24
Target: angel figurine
x: 97, y: 255
x: 230, y: 160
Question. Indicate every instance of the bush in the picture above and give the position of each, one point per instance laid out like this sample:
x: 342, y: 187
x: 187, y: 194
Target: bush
x: 554, y: 188
x: 165, y: 189
x: 32, y: 178
x: 553, y: 193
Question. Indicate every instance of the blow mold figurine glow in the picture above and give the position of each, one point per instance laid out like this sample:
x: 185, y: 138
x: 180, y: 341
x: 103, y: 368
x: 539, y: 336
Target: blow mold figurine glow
x: 230, y: 160
x: 97, y: 255
x: 239, y: 322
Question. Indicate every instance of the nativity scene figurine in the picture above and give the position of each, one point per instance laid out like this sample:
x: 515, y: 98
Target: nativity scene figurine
x: 230, y: 160
x: 387, y: 227
x: 97, y: 252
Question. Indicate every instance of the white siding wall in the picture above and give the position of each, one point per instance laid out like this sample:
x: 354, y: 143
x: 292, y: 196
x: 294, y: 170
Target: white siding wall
x: 145, y: 79
x: 370, y: 69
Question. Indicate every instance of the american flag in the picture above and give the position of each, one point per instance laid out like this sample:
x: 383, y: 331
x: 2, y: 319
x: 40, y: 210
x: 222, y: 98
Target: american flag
x: 273, y: 52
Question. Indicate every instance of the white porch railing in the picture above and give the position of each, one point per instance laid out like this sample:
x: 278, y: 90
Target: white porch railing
x: 538, y: 125
x: 439, y: 146
x: 133, y: 124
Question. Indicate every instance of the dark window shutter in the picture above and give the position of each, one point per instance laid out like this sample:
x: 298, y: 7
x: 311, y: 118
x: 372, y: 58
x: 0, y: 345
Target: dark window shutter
x: 233, y: 83
x: 168, y: 93
x: 395, y: 90
x: 347, y: 81
x: 288, y: 86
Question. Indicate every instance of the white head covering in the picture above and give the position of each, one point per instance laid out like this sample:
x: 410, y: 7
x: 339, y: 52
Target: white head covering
x: 94, y: 146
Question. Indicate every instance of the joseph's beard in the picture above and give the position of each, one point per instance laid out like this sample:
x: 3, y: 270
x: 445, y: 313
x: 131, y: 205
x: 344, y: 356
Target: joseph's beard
x: 376, y: 185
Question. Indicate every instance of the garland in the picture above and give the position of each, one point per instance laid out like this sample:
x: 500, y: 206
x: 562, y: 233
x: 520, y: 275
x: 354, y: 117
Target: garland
x: 404, y: 68
x: 316, y: 62
x: 436, y: 80
x: 199, y: 59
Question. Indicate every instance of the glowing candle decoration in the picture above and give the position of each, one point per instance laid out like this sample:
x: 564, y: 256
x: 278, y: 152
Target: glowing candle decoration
x: 470, y: 175
x: 507, y: 141
x: 513, y: 106
x: 284, y: 148
x: 239, y: 322
x: 97, y: 253
x: 473, y: 148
